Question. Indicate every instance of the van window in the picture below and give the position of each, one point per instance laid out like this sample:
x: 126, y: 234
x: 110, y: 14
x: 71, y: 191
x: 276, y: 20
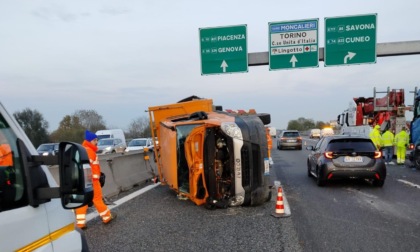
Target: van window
x: 12, y: 186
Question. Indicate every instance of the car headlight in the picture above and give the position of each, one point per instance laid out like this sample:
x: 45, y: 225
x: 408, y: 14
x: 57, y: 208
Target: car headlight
x: 232, y: 130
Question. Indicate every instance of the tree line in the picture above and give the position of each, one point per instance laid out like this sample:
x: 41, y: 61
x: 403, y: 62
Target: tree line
x: 72, y: 127
x: 303, y: 124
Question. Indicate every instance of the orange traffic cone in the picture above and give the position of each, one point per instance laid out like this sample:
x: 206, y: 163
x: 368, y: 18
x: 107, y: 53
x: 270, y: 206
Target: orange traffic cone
x: 280, y: 205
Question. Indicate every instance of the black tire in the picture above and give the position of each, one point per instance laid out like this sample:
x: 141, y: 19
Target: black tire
x: 270, y: 194
x: 265, y: 118
x: 378, y: 183
x: 319, y: 181
x: 309, y: 170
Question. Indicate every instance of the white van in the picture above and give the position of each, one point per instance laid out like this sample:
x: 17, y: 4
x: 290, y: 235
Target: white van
x: 327, y: 132
x: 315, y: 133
x: 32, y: 205
x: 111, y: 133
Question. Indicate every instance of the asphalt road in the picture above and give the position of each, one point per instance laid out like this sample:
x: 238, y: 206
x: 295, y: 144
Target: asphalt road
x: 344, y: 216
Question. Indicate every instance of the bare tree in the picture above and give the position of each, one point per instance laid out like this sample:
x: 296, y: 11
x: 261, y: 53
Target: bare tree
x: 90, y: 120
x: 34, y: 125
x: 139, y: 127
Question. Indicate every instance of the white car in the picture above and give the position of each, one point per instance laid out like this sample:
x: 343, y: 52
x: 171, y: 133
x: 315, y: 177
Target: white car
x: 139, y: 144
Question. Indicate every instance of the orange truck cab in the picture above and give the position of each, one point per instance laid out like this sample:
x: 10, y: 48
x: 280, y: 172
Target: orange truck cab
x: 214, y: 158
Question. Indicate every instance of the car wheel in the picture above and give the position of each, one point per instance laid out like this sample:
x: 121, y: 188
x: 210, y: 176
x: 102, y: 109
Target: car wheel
x: 309, y: 169
x: 319, y: 180
x: 378, y: 183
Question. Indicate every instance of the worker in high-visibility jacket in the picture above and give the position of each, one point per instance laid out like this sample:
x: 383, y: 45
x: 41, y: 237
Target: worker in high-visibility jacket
x: 90, y: 144
x: 6, y: 155
x: 401, y: 140
x: 375, y: 136
x: 388, y: 146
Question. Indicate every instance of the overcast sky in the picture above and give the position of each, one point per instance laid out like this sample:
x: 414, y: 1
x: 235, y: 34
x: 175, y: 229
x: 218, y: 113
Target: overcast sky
x: 120, y: 57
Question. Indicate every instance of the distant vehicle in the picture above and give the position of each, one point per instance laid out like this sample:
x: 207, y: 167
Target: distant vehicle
x: 327, y: 132
x: 289, y: 139
x: 33, y: 215
x: 111, y: 145
x: 48, y: 149
x: 345, y: 156
x: 111, y: 133
x: 139, y: 144
x: 315, y: 133
x: 273, y: 131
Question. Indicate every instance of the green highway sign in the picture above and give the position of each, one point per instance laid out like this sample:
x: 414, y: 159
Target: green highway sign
x: 223, y: 50
x: 293, y: 44
x: 350, y: 40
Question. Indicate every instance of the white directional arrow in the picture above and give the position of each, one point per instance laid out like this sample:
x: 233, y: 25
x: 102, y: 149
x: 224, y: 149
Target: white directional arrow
x: 349, y: 56
x: 293, y: 60
x: 224, y: 65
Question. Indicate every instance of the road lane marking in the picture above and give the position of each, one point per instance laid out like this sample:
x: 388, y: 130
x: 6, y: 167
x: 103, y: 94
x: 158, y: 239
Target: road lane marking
x: 409, y: 183
x: 121, y: 201
x: 287, y: 210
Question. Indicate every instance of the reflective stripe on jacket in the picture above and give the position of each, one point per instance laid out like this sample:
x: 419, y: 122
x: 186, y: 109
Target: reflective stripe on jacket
x: 376, y: 138
x: 402, y: 139
x: 388, y: 138
x: 93, y: 158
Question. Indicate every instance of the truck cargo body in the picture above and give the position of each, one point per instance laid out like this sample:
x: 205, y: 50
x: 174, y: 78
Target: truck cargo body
x: 214, y: 158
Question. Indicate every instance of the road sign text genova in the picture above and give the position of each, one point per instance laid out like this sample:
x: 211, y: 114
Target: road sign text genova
x: 223, y: 50
x: 350, y: 40
x: 293, y: 44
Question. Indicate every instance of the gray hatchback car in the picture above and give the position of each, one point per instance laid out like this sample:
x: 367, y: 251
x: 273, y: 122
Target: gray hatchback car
x: 111, y: 145
x: 344, y: 156
x: 289, y: 139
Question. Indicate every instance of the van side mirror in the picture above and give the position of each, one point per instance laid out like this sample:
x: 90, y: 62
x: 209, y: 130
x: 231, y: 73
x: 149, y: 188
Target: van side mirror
x: 76, y: 187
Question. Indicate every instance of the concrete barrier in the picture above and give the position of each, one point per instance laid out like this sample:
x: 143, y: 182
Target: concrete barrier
x: 123, y: 172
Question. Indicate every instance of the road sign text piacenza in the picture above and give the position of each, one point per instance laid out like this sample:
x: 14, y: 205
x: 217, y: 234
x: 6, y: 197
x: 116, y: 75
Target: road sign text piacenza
x: 225, y: 38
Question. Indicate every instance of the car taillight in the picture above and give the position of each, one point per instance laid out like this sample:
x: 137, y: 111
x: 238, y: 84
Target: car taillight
x: 328, y: 154
x: 411, y: 146
x: 299, y: 139
x: 378, y: 154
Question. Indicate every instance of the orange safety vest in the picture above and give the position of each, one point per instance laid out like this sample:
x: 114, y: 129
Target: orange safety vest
x: 6, y: 156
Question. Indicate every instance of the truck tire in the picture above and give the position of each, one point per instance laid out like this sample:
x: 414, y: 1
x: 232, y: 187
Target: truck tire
x: 265, y: 118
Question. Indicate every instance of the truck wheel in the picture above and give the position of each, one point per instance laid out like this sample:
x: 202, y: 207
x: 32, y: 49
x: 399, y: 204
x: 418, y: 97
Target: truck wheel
x: 265, y: 118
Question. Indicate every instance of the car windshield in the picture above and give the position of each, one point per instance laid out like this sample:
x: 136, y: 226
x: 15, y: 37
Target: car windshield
x: 291, y: 134
x: 138, y: 142
x: 360, y: 145
x: 106, y: 142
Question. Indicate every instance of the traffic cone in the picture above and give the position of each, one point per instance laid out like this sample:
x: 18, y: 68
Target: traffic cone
x: 279, y: 212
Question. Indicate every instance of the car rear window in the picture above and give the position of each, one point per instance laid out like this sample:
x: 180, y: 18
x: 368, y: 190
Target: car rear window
x: 360, y: 145
x: 291, y: 134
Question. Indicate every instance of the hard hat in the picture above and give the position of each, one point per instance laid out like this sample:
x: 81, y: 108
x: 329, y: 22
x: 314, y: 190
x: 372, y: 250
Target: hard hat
x: 377, y: 127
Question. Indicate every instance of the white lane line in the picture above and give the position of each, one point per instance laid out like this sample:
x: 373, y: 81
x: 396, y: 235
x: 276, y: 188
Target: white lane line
x: 121, y: 201
x: 286, y: 206
x: 409, y: 183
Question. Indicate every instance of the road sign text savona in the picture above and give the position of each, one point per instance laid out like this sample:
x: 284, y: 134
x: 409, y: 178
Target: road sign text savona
x: 350, y: 40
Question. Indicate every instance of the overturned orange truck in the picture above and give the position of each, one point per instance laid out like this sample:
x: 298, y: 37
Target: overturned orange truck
x: 213, y: 157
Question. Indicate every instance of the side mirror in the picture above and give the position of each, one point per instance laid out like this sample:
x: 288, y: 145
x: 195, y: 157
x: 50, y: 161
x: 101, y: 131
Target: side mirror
x: 76, y: 188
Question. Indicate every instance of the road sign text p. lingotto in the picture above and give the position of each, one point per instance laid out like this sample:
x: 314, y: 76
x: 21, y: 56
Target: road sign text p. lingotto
x: 223, y: 49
